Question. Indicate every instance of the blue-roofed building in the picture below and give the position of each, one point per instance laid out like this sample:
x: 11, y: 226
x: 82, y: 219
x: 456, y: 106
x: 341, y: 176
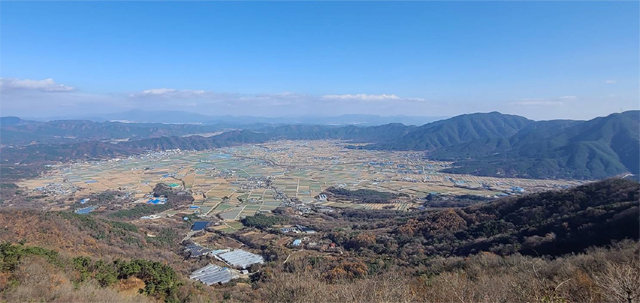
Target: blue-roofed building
x: 297, y: 242
x: 158, y: 200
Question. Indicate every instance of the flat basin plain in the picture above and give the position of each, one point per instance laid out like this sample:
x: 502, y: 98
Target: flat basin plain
x: 234, y: 182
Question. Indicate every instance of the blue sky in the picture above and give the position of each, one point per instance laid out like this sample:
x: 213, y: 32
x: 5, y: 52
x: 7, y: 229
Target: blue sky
x: 543, y: 60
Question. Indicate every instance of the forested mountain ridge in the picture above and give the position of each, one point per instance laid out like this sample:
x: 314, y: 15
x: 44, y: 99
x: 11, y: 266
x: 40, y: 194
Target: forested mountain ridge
x: 593, y: 149
x: 457, y: 130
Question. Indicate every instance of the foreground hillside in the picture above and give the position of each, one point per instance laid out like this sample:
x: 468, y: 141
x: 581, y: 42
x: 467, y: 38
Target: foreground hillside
x: 550, y: 223
x: 574, y: 245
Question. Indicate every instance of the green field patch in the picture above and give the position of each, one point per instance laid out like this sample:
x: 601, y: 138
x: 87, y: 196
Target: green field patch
x: 235, y: 225
x: 230, y: 214
x: 246, y: 213
x: 205, y: 209
x: 228, y: 230
x: 342, y: 205
x: 213, y: 200
x: 243, y: 174
x: 223, y: 206
x: 268, y: 207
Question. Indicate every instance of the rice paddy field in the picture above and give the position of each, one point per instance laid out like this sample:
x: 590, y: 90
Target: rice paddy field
x: 240, y: 181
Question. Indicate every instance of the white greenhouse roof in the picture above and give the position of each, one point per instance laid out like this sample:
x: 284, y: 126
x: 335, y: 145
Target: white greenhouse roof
x: 240, y: 258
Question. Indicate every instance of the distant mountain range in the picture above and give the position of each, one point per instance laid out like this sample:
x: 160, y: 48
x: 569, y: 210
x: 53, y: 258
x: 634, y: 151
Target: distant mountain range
x: 16, y: 131
x: 182, y: 117
x: 491, y: 144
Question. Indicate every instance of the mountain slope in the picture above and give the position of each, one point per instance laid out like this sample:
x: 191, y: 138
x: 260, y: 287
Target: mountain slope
x: 43, y: 153
x: 548, y: 223
x: 558, y: 222
x: 597, y: 148
x: 371, y: 134
x: 458, y: 130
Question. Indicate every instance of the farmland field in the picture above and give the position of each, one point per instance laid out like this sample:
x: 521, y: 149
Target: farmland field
x: 240, y: 181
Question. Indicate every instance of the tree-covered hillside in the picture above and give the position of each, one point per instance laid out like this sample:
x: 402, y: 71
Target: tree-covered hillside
x: 457, y: 130
x: 550, y: 223
x: 592, y: 149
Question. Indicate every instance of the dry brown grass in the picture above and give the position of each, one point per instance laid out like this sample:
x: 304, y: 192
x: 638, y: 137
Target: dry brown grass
x: 39, y: 281
x: 601, y: 275
x: 312, y: 287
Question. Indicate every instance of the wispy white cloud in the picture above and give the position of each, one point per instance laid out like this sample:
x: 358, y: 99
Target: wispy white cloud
x: 169, y: 93
x: 609, y: 81
x: 568, y: 97
x: 537, y: 102
x: 369, y: 97
x: 562, y: 100
x: 284, y: 103
x: 362, y: 97
x: 171, y: 97
x: 284, y: 98
x: 45, y: 85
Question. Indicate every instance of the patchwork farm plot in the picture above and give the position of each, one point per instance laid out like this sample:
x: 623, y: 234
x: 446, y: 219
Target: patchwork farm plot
x: 235, y: 182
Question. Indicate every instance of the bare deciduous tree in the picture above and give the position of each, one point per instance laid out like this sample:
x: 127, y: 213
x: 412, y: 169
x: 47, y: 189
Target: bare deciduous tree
x: 621, y: 281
